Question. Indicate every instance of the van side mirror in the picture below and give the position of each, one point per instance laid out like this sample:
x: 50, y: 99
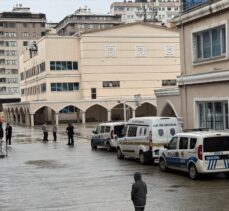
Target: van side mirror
x: 94, y: 131
x: 166, y: 146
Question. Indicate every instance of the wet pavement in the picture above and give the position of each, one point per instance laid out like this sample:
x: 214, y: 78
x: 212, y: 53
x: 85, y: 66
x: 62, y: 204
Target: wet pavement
x: 53, y: 176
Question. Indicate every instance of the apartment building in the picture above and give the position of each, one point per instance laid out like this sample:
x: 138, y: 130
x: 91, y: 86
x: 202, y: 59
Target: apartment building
x: 202, y: 98
x: 18, y: 29
x: 94, y: 75
x: 146, y: 10
x: 84, y: 19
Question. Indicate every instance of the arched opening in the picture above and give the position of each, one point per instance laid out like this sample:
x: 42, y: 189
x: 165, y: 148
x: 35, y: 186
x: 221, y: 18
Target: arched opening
x: 168, y: 111
x: 44, y: 114
x: 146, y: 109
x: 117, y: 112
x: 69, y: 113
x: 96, y: 113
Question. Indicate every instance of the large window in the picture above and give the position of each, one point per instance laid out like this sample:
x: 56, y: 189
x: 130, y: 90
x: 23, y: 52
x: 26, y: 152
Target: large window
x: 213, y: 115
x: 209, y: 44
x: 63, y: 65
x: 64, y: 87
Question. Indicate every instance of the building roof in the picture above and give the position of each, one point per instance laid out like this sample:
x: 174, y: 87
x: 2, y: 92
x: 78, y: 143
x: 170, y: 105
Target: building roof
x: 131, y: 24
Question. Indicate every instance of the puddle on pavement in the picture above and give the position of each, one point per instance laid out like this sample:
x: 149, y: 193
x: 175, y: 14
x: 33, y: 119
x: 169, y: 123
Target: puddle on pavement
x: 51, y: 164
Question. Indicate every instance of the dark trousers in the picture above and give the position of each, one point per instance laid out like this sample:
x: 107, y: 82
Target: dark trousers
x: 70, y: 139
x: 8, y: 140
x: 139, y: 208
x: 45, y: 138
x: 54, y: 136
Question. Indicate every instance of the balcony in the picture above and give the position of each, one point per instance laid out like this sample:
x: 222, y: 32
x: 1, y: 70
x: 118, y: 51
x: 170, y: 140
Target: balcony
x: 193, y: 4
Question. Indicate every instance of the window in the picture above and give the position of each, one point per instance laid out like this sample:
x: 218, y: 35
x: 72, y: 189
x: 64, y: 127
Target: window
x: 42, y: 67
x: 102, y: 129
x: 63, y: 65
x: 213, y: 115
x: 69, y: 109
x: 132, y: 131
x: 192, y: 143
x: 169, y: 82
x: 25, y: 43
x: 43, y: 87
x: 25, y: 34
x: 63, y: 87
x: 183, y: 143
x: 216, y: 144
x: 93, y: 93
x: 111, y: 84
x: 210, y: 43
x: 107, y: 130
x: 173, y: 143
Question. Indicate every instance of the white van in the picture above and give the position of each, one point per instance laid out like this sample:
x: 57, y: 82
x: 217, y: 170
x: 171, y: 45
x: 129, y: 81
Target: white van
x: 105, y: 133
x: 200, y: 152
x: 144, y: 136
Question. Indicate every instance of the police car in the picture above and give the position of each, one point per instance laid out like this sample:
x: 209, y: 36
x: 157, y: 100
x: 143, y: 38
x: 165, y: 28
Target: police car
x: 197, y: 153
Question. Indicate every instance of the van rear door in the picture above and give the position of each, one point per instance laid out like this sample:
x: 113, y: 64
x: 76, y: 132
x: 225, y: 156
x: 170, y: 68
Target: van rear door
x: 216, y: 152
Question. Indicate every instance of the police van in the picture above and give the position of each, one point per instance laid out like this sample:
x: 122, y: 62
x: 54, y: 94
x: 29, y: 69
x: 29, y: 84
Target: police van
x: 197, y: 153
x: 105, y: 133
x: 144, y: 136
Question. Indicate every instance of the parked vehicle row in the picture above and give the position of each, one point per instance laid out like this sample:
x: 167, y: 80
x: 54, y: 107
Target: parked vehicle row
x: 160, y: 139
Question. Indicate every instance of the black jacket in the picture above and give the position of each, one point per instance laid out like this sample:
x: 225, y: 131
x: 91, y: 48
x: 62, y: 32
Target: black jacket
x: 9, y: 131
x: 138, y: 193
x: 1, y: 133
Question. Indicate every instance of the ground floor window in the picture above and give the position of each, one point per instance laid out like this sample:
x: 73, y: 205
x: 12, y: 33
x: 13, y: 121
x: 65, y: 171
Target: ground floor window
x: 213, y: 115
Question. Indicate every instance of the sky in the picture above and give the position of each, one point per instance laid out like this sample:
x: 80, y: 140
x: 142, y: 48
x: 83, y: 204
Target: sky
x: 56, y: 10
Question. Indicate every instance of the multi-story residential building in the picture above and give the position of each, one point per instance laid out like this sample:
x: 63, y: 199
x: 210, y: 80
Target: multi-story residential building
x: 146, y: 10
x: 93, y: 76
x: 202, y: 99
x: 83, y: 19
x: 167, y: 10
x: 17, y: 29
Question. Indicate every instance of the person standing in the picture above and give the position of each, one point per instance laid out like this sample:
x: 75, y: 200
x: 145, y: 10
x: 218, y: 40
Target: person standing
x: 138, y: 192
x: 8, y: 133
x: 54, y: 132
x: 1, y: 132
x: 70, y: 132
x: 45, y: 132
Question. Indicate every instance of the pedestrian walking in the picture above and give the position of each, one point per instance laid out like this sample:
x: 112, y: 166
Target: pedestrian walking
x: 1, y: 137
x: 54, y: 132
x: 138, y: 192
x: 8, y: 133
x: 45, y: 132
x: 70, y: 132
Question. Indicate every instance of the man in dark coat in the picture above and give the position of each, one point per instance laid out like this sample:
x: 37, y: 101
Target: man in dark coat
x: 8, y: 133
x: 1, y: 132
x: 138, y: 192
x: 70, y: 132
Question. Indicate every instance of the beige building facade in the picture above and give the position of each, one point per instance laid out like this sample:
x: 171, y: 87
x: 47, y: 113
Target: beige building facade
x: 95, y: 75
x: 203, y: 83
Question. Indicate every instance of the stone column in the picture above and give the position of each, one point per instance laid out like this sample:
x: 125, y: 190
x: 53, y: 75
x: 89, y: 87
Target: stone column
x: 108, y: 115
x: 16, y: 115
x: 57, y: 118
x: 27, y: 119
x: 133, y: 112
x: 83, y: 117
x: 32, y: 120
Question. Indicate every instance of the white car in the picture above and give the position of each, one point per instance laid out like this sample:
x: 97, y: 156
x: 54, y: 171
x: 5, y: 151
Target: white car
x: 197, y: 153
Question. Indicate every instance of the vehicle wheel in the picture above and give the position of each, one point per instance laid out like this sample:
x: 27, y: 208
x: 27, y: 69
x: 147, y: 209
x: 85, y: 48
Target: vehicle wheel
x: 109, y: 149
x: 226, y: 175
x: 192, y: 171
x: 162, y: 165
x: 93, y: 146
x: 142, y: 158
x: 119, y: 154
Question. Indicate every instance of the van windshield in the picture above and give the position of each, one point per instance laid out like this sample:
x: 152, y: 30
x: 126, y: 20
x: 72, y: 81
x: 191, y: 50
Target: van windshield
x: 216, y: 144
x: 118, y: 130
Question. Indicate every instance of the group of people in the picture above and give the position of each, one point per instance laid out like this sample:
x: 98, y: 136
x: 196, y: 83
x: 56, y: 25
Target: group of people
x: 8, y: 132
x: 69, y: 130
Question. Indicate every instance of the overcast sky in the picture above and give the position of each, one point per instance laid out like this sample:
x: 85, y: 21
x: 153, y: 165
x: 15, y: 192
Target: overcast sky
x: 56, y: 10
